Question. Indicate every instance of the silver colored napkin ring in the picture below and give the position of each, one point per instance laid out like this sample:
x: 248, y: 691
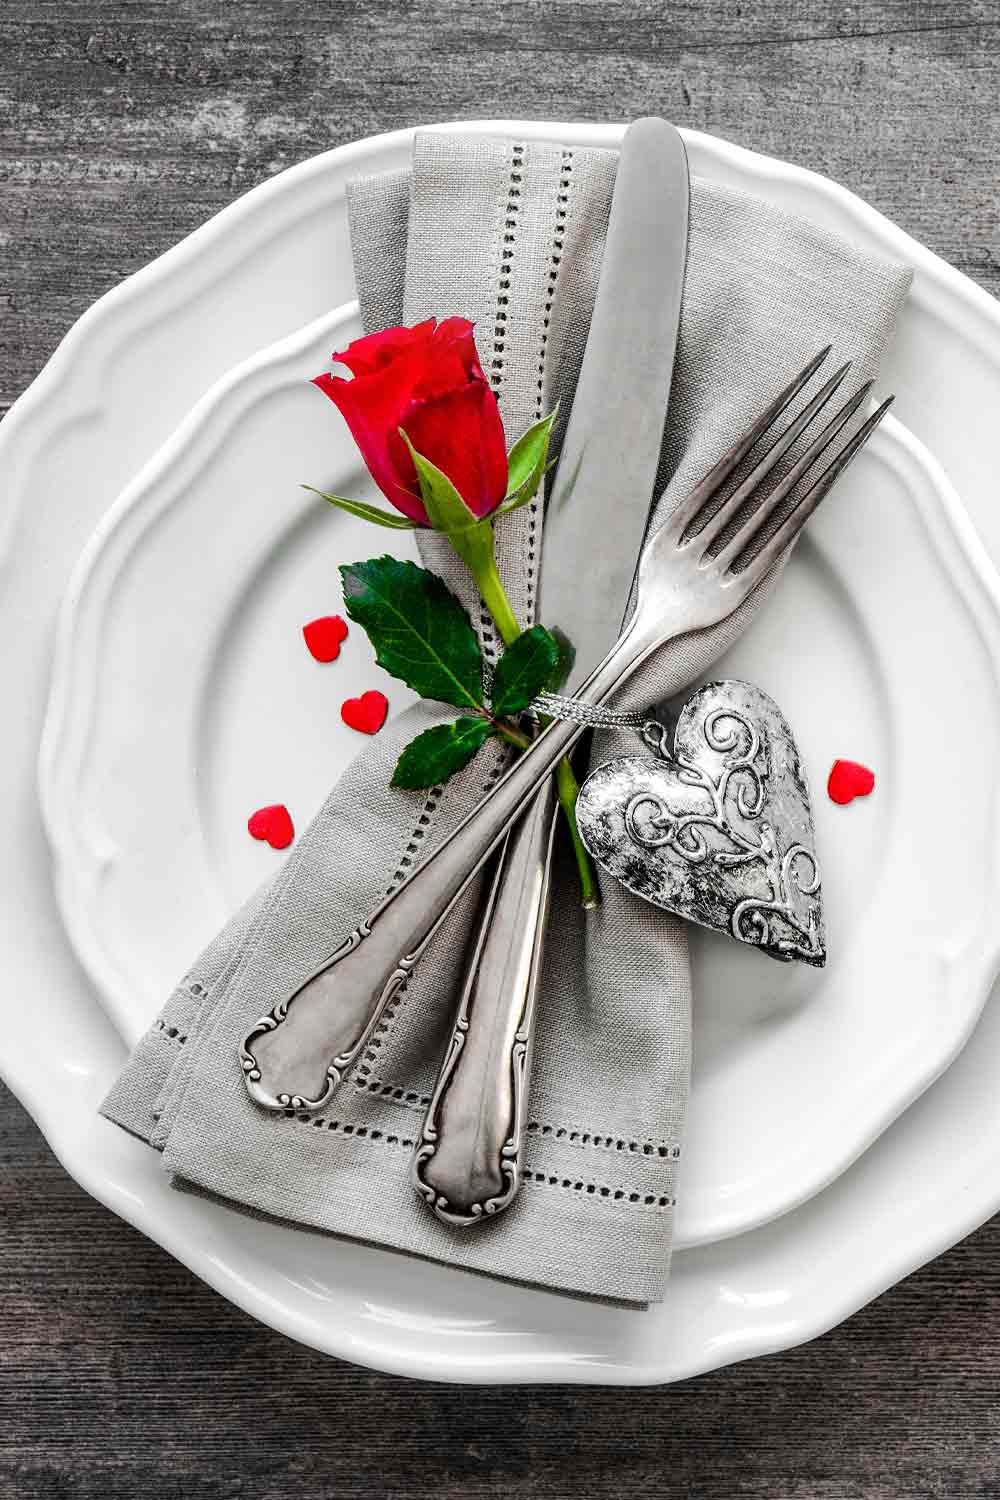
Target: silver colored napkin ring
x: 718, y: 827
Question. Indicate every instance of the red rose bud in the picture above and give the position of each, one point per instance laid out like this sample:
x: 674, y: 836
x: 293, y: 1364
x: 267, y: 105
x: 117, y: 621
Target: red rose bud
x: 426, y: 380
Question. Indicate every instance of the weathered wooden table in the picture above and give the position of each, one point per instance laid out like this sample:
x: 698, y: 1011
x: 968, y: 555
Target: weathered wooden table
x: 124, y: 125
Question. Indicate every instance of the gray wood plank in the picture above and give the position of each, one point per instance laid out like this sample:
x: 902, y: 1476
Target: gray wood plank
x: 121, y: 1375
x: 124, y: 125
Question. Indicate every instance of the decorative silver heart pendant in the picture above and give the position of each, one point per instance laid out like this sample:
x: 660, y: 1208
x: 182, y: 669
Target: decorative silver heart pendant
x: 719, y: 829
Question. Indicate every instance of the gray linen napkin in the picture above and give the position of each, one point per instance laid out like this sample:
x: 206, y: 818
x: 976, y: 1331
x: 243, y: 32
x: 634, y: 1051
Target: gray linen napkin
x: 511, y: 235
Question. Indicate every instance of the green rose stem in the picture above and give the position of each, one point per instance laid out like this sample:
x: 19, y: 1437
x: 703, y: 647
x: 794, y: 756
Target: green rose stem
x: 449, y: 514
x: 474, y: 544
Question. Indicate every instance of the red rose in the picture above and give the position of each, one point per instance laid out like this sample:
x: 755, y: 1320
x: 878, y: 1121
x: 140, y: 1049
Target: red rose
x: 426, y: 380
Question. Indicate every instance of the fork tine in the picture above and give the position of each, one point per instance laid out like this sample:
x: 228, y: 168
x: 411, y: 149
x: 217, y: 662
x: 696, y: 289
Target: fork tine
x: 731, y: 507
x: 794, y: 522
x: 733, y: 457
x: 728, y: 554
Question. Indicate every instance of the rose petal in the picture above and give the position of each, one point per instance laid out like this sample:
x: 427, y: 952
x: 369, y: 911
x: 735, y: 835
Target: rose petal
x: 372, y: 405
x: 366, y: 355
x: 462, y: 433
x: 460, y: 333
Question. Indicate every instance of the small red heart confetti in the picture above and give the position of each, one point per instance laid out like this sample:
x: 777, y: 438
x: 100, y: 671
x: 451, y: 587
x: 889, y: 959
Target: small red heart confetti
x: 366, y: 713
x: 848, y: 780
x: 323, y: 637
x: 273, y: 825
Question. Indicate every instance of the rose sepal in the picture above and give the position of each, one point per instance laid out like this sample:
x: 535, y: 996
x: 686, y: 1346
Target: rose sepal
x: 364, y: 511
x: 471, y: 539
x: 527, y: 464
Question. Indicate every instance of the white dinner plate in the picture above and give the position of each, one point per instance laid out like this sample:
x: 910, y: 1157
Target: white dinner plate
x: 181, y: 685
x: 118, y: 384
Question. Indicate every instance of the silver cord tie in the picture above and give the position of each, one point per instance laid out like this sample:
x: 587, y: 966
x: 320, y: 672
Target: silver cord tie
x: 656, y: 735
x: 558, y: 707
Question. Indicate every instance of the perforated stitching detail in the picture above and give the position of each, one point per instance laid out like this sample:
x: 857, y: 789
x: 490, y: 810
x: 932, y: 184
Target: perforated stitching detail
x: 344, y: 1127
x: 666, y: 1150
x: 596, y: 1190
x: 172, y: 1032
x: 581, y: 1140
x: 511, y: 215
x: 418, y: 833
x: 498, y: 359
x: 601, y: 1190
x: 555, y: 260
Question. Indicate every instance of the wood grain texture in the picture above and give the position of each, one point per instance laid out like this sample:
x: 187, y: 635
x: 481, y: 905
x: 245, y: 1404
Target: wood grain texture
x: 123, y: 126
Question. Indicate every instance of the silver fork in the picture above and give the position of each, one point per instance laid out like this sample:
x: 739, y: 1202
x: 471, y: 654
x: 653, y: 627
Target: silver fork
x: 297, y: 1054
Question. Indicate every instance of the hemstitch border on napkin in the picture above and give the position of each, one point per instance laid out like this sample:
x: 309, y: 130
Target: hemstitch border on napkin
x: 599, y: 1191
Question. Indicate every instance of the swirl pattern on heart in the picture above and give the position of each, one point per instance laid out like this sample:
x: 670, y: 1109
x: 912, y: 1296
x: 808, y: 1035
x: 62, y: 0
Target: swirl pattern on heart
x: 718, y: 830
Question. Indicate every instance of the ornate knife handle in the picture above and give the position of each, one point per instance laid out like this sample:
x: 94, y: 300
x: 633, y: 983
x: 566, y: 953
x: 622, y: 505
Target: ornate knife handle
x: 468, y: 1162
x: 297, y: 1054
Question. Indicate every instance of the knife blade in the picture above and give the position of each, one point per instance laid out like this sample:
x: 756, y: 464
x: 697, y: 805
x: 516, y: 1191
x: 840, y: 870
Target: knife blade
x: 467, y: 1166
x: 604, y: 480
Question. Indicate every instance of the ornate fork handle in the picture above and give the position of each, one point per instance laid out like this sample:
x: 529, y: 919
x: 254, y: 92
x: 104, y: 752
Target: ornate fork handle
x: 297, y: 1054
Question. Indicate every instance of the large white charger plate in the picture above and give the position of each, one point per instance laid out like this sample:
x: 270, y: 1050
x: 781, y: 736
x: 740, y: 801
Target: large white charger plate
x: 117, y: 386
x: 183, y: 698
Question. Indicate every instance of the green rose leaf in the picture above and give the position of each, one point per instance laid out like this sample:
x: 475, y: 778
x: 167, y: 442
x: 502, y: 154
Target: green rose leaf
x: 420, y: 632
x: 565, y: 657
x: 524, y: 670
x: 439, y: 752
x: 364, y: 511
x: 527, y: 463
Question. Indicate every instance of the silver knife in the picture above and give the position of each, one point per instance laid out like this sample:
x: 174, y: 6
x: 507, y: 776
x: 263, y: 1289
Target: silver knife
x: 467, y: 1165
x: 297, y: 1055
